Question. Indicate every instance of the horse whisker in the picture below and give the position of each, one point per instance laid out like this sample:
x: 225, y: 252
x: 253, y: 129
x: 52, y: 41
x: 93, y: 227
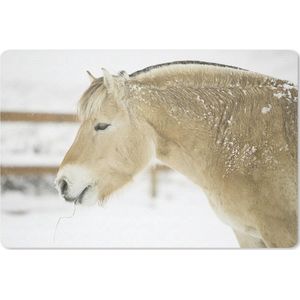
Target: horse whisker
x: 64, y: 217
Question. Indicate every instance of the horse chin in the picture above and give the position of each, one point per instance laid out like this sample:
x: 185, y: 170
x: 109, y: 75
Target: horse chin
x: 107, y: 191
x: 100, y: 195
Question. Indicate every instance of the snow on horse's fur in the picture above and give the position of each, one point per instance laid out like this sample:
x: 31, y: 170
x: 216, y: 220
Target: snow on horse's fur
x: 231, y: 131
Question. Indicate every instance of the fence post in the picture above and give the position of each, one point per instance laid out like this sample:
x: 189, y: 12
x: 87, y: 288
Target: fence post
x: 153, y: 175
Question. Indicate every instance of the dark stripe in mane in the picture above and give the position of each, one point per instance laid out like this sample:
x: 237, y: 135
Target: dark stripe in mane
x: 183, y: 62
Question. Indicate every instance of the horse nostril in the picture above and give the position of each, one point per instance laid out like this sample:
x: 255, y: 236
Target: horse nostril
x: 63, y: 185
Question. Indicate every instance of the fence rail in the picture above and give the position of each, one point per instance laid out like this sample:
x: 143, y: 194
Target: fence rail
x: 28, y: 170
x: 9, y: 116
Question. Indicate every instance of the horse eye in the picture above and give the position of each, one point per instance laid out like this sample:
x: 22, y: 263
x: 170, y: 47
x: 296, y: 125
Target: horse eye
x: 101, y: 126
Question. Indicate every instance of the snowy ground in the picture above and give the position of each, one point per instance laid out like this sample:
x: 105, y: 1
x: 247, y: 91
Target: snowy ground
x: 178, y: 217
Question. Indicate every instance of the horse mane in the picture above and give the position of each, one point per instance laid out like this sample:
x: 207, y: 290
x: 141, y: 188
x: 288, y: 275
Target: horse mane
x: 189, y: 74
x: 182, y: 62
x: 91, y: 99
x: 200, y: 74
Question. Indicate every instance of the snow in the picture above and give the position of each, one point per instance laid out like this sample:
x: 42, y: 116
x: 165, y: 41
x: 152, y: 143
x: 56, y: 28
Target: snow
x: 279, y: 95
x: 266, y: 109
x: 179, y: 216
x: 35, y: 144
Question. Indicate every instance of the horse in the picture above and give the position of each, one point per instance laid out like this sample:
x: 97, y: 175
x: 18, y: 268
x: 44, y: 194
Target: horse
x: 231, y: 131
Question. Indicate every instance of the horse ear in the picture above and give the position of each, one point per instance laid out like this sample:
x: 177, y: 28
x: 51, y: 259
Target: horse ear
x: 108, y: 80
x: 113, y: 83
x: 91, y: 76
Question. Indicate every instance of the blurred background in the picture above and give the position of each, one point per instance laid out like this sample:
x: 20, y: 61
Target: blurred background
x: 161, y: 208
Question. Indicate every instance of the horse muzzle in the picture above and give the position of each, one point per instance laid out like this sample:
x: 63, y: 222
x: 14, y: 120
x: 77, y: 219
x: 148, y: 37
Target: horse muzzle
x: 63, y: 188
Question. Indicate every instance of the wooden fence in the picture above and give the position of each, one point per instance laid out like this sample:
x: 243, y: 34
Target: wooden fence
x: 36, y: 117
x: 55, y: 118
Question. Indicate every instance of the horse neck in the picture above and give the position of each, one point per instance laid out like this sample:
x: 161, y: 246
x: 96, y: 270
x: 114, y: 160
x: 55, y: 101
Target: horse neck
x: 181, y: 137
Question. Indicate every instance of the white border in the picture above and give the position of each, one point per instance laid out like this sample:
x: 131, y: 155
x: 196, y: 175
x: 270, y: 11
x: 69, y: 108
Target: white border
x: 149, y: 274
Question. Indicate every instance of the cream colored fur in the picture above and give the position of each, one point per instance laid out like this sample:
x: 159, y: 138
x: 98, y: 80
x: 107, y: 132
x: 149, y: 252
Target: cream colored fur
x: 232, y: 132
